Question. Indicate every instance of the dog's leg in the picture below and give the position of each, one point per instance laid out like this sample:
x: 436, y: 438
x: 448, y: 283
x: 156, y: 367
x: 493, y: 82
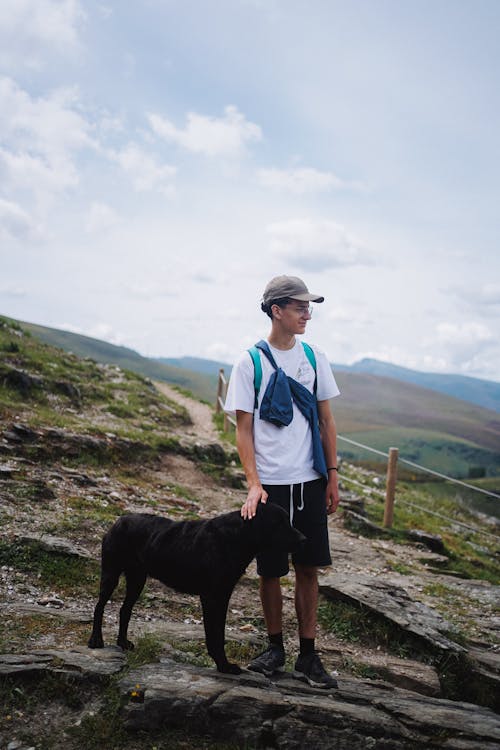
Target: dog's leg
x: 214, y: 607
x: 109, y: 582
x: 135, y: 583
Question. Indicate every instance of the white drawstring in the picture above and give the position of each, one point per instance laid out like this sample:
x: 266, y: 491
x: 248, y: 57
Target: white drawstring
x: 299, y: 507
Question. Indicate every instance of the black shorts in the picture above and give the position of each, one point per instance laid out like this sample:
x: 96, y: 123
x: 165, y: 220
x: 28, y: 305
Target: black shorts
x: 307, y: 503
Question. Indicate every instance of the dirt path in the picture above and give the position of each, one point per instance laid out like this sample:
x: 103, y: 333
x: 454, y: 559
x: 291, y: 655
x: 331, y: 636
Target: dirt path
x: 201, y: 414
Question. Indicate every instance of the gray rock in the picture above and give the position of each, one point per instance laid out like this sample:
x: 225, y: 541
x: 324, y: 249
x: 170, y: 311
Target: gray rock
x: 404, y: 673
x: 80, y: 661
x: 394, y: 604
x: 434, y: 542
x: 14, y: 665
x: 7, y: 471
x: 361, y: 525
x: 54, y: 544
x: 22, y: 381
x: 250, y: 710
x: 68, y: 389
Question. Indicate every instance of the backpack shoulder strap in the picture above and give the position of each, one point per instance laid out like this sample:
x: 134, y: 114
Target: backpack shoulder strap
x: 257, y: 373
x: 310, y: 355
x: 309, y: 352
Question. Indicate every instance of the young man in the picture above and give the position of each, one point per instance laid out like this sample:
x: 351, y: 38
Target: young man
x: 291, y: 460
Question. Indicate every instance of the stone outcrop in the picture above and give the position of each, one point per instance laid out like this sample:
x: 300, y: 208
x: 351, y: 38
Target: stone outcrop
x: 466, y: 670
x: 250, y: 710
x: 254, y: 711
x: 53, y: 544
x: 78, y: 662
x: 393, y: 603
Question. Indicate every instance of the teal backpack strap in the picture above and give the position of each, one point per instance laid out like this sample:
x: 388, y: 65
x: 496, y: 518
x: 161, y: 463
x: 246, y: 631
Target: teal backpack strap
x: 257, y: 368
x: 257, y: 373
x: 312, y: 360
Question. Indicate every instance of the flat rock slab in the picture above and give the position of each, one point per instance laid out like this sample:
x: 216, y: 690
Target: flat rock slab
x: 93, y: 664
x: 54, y: 544
x: 251, y: 710
x: 393, y: 603
x: 404, y: 673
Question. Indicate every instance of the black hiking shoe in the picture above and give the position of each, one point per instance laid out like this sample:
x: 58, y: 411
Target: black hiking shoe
x: 270, y: 661
x: 309, y: 668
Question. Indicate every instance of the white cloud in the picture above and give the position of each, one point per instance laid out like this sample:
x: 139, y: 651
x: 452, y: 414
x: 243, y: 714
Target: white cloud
x: 22, y: 170
x: 12, y: 290
x: 100, y: 218
x: 41, y: 137
x: 465, y: 347
x: 145, y: 172
x: 485, y: 296
x: 300, y: 180
x: 31, y: 28
x: 50, y: 125
x: 100, y: 330
x: 463, y: 333
x: 219, y: 351
x: 315, y: 245
x: 17, y: 223
x: 150, y: 291
x: 212, y: 136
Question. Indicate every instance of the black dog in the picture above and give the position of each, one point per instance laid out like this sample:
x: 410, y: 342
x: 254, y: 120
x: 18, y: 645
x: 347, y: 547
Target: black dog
x: 195, y: 557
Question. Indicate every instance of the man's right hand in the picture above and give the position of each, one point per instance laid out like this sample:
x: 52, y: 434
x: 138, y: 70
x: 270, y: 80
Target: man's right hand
x: 256, y: 495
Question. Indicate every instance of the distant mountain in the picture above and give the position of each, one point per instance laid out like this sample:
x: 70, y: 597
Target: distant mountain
x: 484, y: 393
x: 196, y: 364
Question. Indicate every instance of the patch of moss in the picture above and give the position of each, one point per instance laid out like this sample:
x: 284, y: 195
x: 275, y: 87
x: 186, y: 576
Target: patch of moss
x: 359, y: 625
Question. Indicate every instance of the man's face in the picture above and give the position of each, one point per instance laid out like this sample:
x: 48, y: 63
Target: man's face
x: 294, y: 316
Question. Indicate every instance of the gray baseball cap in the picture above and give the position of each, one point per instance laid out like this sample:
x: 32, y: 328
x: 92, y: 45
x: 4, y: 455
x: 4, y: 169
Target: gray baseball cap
x: 289, y: 286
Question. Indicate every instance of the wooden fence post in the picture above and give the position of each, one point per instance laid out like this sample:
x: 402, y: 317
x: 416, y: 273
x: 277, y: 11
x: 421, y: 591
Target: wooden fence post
x: 390, y: 487
x: 220, y: 388
x: 222, y: 385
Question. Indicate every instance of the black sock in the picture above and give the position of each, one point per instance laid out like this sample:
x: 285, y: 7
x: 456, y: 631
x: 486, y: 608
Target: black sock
x: 276, y: 639
x: 306, y: 646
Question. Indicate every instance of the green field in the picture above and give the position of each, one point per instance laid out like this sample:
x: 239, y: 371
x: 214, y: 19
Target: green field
x: 433, y: 450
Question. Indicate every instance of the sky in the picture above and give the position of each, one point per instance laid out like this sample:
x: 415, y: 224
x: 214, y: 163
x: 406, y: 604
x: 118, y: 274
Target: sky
x: 161, y: 160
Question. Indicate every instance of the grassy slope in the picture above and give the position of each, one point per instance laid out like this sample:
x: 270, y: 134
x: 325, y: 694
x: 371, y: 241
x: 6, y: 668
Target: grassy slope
x: 484, y: 393
x: 103, y: 397
x: 429, y: 428
x: 102, y: 351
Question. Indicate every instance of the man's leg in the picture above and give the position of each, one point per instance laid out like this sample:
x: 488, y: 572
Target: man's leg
x: 273, y: 658
x: 308, y: 666
x: 306, y: 599
x: 272, y: 604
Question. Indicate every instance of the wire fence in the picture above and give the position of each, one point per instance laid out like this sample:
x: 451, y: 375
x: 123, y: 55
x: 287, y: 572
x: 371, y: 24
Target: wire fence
x: 433, y: 473
x: 422, y: 468
x: 229, y: 421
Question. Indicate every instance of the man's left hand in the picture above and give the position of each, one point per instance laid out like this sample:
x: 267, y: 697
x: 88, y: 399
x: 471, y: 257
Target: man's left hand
x: 332, y: 493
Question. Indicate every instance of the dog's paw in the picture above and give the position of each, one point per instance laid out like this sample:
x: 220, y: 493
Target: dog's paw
x: 125, y: 644
x: 229, y: 668
x: 95, y: 642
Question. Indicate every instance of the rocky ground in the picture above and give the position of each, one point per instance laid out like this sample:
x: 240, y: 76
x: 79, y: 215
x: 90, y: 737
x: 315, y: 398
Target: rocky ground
x: 423, y: 616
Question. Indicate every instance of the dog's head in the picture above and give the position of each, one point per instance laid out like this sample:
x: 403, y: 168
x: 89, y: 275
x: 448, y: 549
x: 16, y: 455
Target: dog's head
x: 273, y: 529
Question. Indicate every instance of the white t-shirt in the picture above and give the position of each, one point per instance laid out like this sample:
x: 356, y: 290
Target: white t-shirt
x: 283, y: 454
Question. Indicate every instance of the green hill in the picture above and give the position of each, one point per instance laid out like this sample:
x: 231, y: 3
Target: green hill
x: 101, y: 351
x: 430, y: 428
x: 484, y: 393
